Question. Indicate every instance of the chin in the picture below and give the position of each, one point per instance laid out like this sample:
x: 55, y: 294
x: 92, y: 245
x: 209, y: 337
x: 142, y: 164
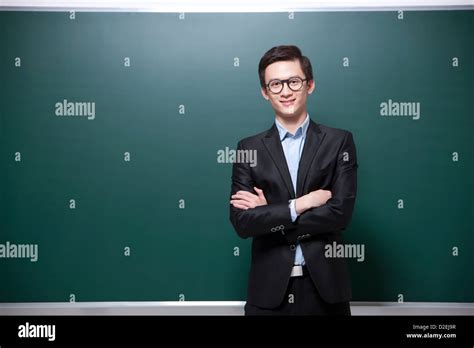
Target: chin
x: 286, y: 114
x: 289, y: 114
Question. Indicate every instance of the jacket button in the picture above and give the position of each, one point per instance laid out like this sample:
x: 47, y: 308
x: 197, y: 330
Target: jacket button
x: 293, y: 247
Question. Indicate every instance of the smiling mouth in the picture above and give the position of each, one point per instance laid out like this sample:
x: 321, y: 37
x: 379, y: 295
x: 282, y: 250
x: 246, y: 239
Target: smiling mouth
x: 287, y: 102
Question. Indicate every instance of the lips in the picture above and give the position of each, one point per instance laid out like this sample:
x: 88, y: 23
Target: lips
x: 287, y: 102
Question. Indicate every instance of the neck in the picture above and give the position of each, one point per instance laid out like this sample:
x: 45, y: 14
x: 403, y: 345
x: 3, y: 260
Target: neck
x: 291, y: 123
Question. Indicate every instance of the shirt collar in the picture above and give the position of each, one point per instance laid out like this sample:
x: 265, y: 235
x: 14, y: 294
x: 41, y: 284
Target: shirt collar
x: 302, y: 128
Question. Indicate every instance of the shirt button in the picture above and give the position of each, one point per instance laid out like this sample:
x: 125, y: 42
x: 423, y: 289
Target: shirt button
x: 293, y: 247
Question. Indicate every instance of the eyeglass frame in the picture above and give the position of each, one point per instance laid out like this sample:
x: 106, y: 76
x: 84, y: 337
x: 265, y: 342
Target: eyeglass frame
x: 287, y: 83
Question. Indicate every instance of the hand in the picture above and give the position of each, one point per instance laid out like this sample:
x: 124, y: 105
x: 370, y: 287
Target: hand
x: 313, y: 199
x: 245, y: 200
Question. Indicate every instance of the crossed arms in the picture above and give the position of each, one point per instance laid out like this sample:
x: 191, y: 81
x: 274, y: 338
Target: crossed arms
x: 319, y: 212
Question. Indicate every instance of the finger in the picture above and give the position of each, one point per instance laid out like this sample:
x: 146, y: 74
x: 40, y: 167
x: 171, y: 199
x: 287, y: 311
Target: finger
x: 241, y: 202
x: 246, y: 194
x: 259, y: 192
x: 248, y: 200
x: 240, y: 206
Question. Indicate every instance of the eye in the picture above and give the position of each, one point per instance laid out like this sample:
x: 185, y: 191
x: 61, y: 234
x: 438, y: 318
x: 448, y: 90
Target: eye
x: 295, y: 82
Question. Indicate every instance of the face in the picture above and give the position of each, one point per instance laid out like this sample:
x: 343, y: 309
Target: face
x: 287, y: 103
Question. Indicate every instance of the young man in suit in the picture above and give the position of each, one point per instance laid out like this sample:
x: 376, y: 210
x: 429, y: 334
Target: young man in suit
x: 296, y: 200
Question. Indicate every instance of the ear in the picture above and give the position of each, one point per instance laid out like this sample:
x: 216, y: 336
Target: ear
x: 264, y: 93
x: 311, y: 87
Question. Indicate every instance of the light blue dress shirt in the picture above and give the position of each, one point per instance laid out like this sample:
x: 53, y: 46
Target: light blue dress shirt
x: 293, y: 147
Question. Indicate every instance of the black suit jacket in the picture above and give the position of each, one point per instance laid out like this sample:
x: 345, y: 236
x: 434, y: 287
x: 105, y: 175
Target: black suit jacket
x: 329, y: 162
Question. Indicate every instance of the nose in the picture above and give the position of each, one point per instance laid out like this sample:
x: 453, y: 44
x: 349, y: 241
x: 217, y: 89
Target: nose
x: 286, y: 89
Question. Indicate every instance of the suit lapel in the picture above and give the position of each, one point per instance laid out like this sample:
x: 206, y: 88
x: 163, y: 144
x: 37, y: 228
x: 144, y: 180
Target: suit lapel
x: 272, y: 142
x: 314, y: 138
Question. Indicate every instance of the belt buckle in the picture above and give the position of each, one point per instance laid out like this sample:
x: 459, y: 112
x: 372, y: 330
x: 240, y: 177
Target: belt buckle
x: 296, y: 271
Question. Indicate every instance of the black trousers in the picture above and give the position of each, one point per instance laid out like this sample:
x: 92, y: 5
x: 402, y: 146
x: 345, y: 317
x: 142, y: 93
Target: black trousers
x: 305, y: 300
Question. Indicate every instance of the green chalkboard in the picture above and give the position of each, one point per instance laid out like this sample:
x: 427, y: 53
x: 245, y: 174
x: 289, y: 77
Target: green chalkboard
x: 126, y: 200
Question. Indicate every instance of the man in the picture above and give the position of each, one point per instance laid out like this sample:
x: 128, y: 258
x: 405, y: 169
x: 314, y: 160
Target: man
x: 296, y: 200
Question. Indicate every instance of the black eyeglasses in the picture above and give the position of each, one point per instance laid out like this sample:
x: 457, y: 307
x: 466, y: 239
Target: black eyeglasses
x: 294, y: 83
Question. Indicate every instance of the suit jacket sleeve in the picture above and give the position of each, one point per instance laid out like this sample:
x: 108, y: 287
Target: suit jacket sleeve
x: 260, y: 220
x: 336, y: 214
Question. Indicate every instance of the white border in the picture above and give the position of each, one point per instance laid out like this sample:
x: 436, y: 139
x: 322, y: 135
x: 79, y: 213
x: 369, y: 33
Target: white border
x: 177, y: 6
x: 243, y: 10
x: 224, y: 307
x: 219, y: 308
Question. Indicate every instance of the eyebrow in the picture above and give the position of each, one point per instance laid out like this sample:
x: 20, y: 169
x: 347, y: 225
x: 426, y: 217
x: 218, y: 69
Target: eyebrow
x: 285, y: 79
